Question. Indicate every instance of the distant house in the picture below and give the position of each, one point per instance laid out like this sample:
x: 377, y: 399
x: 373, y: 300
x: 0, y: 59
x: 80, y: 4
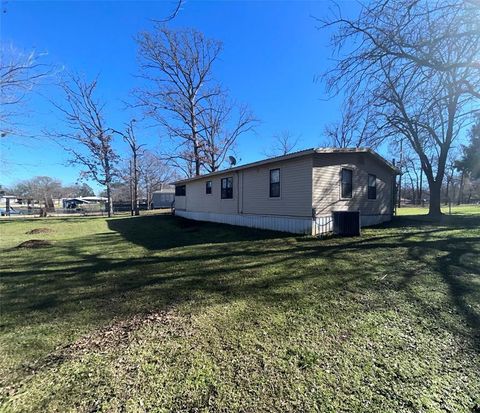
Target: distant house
x: 163, y: 198
x: 295, y: 193
x: 73, y: 203
x: 6, y: 203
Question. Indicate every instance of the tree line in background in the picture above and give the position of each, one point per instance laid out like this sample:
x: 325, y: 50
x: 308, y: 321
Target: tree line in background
x: 43, y: 188
x: 409, y: 73
x: 462, y: 174
x: 152, y: 175
x: 180, y: 95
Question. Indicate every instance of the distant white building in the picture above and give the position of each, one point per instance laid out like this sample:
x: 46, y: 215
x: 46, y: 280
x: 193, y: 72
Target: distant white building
x: 163, y: 198
x: 72, y: 203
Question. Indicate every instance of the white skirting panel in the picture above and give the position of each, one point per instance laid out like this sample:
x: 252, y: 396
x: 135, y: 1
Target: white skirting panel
x: 324, y: 224
x: 274, y: 223
x: 321, y: 225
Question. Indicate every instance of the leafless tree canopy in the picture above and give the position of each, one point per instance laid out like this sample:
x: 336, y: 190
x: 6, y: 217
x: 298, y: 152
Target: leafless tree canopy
x: 178, y: 66
x: 19, y: 74
x: 415, y: 66
x: 183, y: 97
x: 155, y: 174
x: 136, y: 152
x: 221, y: 123
x: 353, y: 129
x: 284, y: 142
x: 39, y: 188
x: 87, y: 138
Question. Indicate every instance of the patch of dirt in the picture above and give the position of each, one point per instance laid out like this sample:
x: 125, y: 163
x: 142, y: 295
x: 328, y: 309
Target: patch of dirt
x: 39, y: 231
x: 34, y: 244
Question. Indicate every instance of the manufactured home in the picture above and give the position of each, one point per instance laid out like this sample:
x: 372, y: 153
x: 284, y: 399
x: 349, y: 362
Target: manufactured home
x: 163, y: 198
x: 297, y: 192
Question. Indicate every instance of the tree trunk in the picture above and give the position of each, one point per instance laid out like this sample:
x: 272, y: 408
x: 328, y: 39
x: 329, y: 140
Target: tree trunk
x: 460, y: 190
x: 135, y: 185
x: 109, y: 201
x: 447, y: 190
x: 148, y: 195
x: 399, y: 201
x: 434, y: 210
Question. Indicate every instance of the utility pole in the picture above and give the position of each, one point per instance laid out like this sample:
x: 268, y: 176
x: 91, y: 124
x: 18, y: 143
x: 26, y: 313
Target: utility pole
x: 130, y: 138
x: 400, y: 176
x: 132, y: 202
x: 421, y: 186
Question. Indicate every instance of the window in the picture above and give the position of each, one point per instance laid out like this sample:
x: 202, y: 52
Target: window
x: 208, y: 187
x: 347, y: 183
x: 180, y: 190
x: 227, y: 188
x: 274, y: 183
x: 372, y: 186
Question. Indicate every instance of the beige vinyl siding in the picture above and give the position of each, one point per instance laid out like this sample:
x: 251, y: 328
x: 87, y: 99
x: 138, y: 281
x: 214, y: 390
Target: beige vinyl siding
x: 198, y: 200
x: 327, y: 188
x: 251, y: 191
x: 180, y: 202
x: 295, y: 189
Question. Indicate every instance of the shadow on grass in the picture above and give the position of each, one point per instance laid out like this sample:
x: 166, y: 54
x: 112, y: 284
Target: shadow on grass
x: 91, y: 279
x: 166, y: 231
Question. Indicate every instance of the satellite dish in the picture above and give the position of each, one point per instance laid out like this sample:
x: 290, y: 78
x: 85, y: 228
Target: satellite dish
x: 232, y: 160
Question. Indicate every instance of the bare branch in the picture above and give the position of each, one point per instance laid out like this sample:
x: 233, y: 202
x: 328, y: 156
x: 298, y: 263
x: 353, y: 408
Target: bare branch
x: 413, y: 70
x: 86, y: 138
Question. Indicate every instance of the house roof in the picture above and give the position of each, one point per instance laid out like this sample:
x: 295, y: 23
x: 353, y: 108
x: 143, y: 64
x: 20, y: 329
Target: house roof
x: 293, y: 155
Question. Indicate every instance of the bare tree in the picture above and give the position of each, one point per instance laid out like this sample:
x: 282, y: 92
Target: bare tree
x: 414, y: 66
x: 42, y: 189
x: 136, y: 152
x: 19, y: 74
x: 77, y: 190
x: 177, y: 65
x: 155, y: 174
x: 352, y: 130
x: 173, y: 14
x: 87, y: 139
x: 284, y: 142
x: 451, y: 176
x: 469, y: 163
x: 220, y: 129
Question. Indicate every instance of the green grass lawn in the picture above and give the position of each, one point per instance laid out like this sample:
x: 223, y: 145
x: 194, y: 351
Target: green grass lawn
x: 158, y: 314
x: 455, y: 210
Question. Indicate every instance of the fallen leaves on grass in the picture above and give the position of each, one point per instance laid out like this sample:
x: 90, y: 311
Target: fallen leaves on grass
x: 34, y: 244
x: 118, y: 333
x: 39, y: 231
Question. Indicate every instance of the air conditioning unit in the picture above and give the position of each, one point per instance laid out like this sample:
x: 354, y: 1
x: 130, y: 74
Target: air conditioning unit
x: 346, y: 223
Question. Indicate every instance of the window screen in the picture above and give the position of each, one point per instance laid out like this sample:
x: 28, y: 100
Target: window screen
x: 372, y: 186
x: 274, y: 183
x: 227, y: 188
x: 180, y: 190
x: 347, y: 175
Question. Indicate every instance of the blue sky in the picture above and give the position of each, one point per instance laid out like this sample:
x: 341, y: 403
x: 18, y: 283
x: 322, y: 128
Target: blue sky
x: 272, y: 53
